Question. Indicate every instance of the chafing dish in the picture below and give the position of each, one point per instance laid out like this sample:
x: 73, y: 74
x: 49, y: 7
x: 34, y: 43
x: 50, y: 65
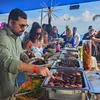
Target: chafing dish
x: 69, y: 50
x: 68, y: 63
x: 67, y: 93
x: 71, y: 74
x: 69, y: 55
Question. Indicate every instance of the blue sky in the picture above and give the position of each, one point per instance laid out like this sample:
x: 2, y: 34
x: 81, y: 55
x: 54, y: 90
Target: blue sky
x: 80, y: 18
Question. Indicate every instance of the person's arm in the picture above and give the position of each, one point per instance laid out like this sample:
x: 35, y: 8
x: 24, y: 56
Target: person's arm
x: 95, y: 39
x: 62, y: 34
x: 44, y: 71
x: 85, y: 36
x: 12, y: 65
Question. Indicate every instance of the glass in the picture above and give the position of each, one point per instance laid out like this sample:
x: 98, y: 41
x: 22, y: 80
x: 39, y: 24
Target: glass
x: 22, y: 25
x: 86, y: 54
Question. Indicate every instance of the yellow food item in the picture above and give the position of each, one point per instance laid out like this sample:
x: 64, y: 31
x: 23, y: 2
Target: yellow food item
x: 86, y: 57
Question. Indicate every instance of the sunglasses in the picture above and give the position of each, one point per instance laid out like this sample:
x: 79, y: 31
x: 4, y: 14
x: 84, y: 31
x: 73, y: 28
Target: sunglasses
x: 22, y: 25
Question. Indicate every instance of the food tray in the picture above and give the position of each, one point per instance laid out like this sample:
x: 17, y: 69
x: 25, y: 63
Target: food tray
x: 29, y: 90
x: 69, y: 55
x: 68, y: 63
x: 74, y: 96
x: 65, y: 51
x: 84, y: 87
x: 70, y: 49
x: 49, y: 64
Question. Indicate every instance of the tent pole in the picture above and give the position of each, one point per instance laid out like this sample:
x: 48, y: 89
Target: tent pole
x: 41, y: 16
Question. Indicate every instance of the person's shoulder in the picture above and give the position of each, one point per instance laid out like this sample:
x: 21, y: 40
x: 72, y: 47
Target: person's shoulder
x: 3, y: 34
x: 86, y: 33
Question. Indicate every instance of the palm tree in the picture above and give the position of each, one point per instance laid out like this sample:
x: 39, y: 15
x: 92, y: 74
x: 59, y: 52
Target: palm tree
x: 95, y: 17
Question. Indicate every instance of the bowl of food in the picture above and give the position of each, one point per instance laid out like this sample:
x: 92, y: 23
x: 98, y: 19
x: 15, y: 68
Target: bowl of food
x: 29, y: 90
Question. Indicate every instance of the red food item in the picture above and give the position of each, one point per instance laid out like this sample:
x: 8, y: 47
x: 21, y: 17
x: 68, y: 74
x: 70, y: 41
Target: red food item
x: 79, y: 85
x: 78, y: 74
x: 74, y: 86
x: 68, y: 80
x: 51, y: 84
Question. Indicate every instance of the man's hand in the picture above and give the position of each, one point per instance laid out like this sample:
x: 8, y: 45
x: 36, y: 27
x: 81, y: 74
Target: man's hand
x: 93, y: 38
x: 44, y: 71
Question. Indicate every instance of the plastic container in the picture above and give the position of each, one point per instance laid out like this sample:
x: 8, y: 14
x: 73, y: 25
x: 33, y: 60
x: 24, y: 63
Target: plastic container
x: 93, y: 63
x: 87, y: 54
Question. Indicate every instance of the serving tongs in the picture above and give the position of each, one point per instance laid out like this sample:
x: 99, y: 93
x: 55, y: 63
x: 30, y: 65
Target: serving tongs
x: 33, y: 77
x: 20, y: 94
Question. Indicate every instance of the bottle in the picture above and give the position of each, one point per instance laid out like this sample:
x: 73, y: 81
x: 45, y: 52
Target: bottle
x: 87, y: 54
x: 57, y: 47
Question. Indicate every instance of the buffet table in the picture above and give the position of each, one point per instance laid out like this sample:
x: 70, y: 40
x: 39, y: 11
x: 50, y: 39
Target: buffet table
x: 70, y: 63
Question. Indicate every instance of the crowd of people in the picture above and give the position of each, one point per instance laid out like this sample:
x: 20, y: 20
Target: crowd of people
x: 70, y: 37
x: 94, y: 36
x: 46, y: 35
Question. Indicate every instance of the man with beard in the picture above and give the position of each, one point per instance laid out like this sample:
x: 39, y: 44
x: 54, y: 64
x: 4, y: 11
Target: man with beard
x: 12, y: 57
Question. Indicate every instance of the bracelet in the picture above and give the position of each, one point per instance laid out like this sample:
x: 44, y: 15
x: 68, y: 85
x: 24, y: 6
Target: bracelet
x: 35, y: 69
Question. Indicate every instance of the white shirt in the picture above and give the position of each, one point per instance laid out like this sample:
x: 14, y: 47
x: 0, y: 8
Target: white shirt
x: 37, y: 51
x: 76, y: 40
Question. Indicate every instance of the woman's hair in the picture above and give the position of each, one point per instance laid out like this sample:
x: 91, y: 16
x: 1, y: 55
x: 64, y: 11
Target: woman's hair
x: 70, y: 35
x: 44, y: 26
x: 35, y: 24
x: 33, y: 33
x: 34, y: 27
x: 48, y: 29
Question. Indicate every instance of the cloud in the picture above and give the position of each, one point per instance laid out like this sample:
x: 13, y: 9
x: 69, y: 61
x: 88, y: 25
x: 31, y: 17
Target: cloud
x: 87, y: 16
x: 31, y: 20
x: 84, y: 17
x: 3, y: 18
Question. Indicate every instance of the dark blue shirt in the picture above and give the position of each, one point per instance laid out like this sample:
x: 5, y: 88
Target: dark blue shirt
x: 68, y: 41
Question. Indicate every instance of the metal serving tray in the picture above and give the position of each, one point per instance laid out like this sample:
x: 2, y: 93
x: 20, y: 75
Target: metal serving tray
x: 69, y: 61
x: 69, y: 55
x: 85, y: 82
x: 69, y: 50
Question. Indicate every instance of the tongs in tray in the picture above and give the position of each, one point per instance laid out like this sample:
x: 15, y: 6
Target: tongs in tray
x: 20, y: 94
x: 36, y: 76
